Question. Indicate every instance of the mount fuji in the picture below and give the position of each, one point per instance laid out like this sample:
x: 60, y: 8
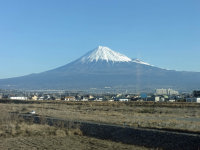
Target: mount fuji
x: 103, y: 67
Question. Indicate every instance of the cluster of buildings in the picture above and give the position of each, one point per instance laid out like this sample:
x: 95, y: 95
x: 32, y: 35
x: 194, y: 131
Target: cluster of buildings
x: 195, y: 97
x: 160, y: 95
x: 166, y: 92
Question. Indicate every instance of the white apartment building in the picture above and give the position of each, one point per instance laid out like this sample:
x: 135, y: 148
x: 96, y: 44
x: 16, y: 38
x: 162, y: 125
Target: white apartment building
x: 166, y: 92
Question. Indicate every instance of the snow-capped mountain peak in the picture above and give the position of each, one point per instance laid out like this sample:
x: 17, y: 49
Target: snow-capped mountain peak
x: 102, y: 53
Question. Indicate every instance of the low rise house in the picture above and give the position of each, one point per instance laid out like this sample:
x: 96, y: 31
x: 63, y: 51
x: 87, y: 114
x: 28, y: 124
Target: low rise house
x: 135, y: 98
x: 57, y: 98
x: 157, y: 98
x: 160, y: 98
x: 70, y: 98
x: 84, y: 99
x: 34, y: 97
x: 172, y: 100
x: 123, y: 99
x: 98, y: 100
x: 194, y: 99
x: 90, y: 96
x: 41, y: 98
x: 19, y: 98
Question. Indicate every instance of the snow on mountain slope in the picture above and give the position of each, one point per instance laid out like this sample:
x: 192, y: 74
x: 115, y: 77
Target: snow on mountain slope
x: 141, y: 62
x: 104, y: 54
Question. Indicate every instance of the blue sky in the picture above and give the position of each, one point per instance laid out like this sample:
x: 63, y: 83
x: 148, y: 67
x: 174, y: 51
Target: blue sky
x: 39, y: 35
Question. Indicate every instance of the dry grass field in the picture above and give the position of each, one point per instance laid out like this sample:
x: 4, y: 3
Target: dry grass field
x: 184, y: 116
x: 16, y: 134
x: 63, y: 143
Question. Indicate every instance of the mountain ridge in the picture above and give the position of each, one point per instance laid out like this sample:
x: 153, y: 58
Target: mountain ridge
x: 103, y: 67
